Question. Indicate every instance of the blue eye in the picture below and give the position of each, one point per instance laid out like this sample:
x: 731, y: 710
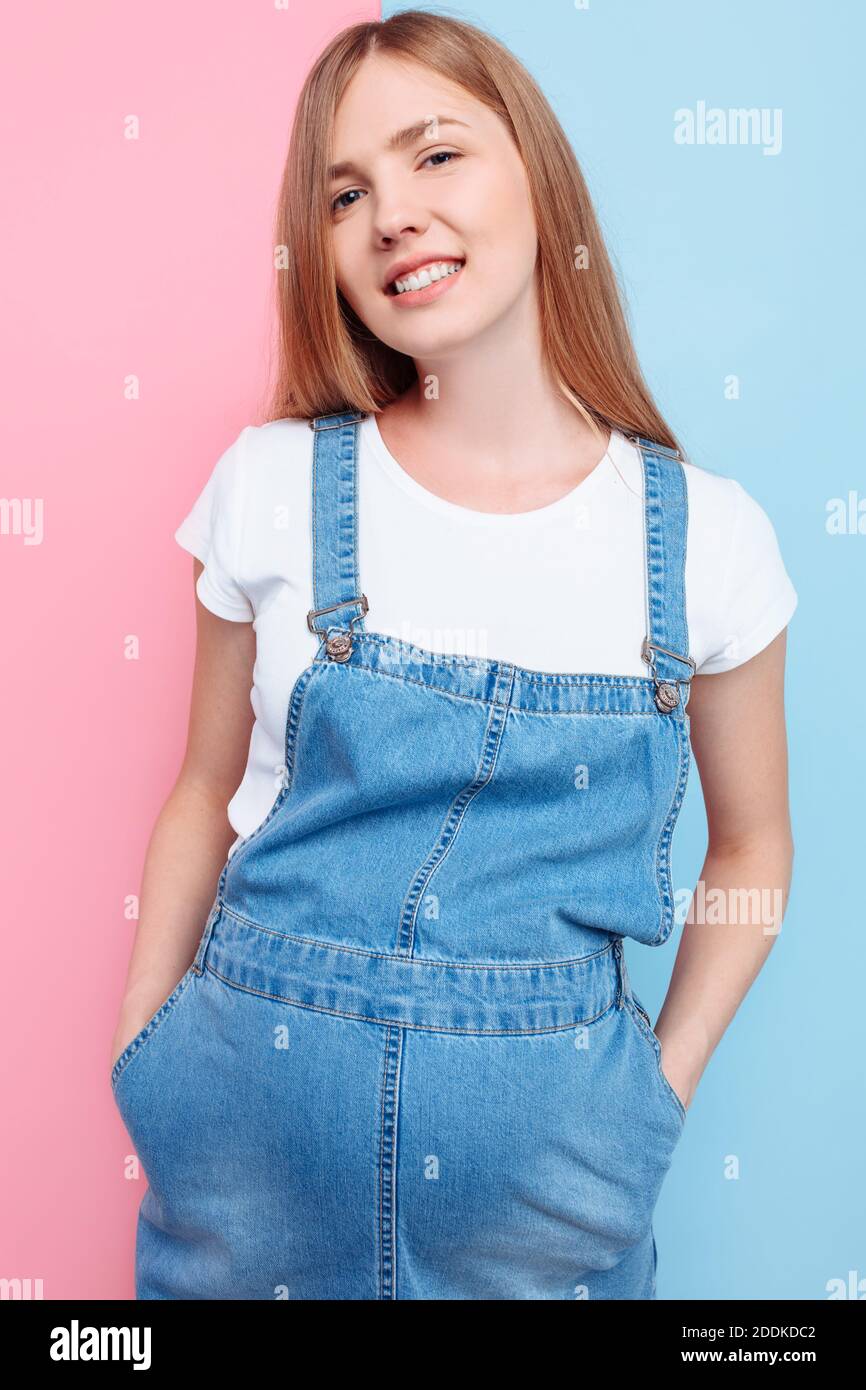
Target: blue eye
x: 337, y: 205
x: 447, y: 154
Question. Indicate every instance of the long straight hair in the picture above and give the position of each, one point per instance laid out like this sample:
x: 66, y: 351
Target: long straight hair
x: 328, y: 360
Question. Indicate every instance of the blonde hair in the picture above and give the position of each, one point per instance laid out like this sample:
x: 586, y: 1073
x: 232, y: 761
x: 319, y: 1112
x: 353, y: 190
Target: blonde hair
x: 328, y: 360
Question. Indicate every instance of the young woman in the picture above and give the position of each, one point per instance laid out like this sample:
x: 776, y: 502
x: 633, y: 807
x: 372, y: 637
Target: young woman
x: 469, y: 586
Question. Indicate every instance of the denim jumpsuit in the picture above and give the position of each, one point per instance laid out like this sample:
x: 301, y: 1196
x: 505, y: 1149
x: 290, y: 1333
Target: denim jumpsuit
x: 406, y: 1061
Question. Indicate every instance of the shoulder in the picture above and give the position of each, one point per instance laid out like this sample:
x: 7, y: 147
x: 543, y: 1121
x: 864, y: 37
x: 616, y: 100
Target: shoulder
x: 256, y: 492
x: 276, y: 446
x: 275, y: 462
x: 278, y: 435
x: 717, y: 505
x: 259, y: 461
x: 272, y: 465
x: 714, y: 498
x: 725, y: 518
x: 740, y: 593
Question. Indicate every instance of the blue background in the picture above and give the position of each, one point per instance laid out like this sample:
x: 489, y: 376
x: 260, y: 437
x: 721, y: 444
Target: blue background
x: 737, y: 262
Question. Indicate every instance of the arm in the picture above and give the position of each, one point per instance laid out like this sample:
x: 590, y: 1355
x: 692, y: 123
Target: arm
x: 192, y: 835
x: 739, y: 741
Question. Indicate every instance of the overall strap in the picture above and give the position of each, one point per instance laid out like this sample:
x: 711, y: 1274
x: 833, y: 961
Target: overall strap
x: 665, y: 648
x: 337, y: 597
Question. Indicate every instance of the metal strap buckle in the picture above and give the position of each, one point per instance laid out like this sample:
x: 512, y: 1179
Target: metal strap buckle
x: 651, y: 447
x: 338, y: 646
x: 337, y: 424
x: 667, y: 692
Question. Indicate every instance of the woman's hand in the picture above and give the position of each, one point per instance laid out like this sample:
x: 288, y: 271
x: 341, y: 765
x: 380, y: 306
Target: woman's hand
x: 739, y: 741
x: 137, y: 1008
x: 132, y: 1018
x: 192, y: 836
x: 683, y: 1066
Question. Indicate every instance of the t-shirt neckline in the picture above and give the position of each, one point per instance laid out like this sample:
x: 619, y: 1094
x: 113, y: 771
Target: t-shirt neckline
x: 453, y: 510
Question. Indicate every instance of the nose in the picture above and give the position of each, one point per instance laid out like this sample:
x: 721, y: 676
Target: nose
x: 395, y: 217
x: 395, y: 229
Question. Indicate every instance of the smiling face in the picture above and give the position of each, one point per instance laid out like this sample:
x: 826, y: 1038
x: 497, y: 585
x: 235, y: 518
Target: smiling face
x: 452, y: 193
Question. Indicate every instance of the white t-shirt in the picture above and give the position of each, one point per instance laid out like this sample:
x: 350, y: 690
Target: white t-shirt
x: 560, y: 588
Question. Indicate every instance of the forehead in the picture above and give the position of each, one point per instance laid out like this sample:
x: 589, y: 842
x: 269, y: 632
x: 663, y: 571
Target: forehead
x: 387, y: 98
x: 382, y: 80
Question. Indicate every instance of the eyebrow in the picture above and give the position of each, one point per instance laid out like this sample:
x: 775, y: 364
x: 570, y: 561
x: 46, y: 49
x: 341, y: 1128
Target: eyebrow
x: 398, y: 141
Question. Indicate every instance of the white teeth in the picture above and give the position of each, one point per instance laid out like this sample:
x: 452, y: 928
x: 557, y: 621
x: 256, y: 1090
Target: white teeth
x: 437, y: 270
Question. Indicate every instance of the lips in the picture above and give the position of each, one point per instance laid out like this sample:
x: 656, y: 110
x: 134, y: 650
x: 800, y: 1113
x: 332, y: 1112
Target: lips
x: 402, y: 269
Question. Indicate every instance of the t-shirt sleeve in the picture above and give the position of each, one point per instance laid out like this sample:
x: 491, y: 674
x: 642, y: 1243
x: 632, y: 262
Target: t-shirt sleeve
x: 757, y: 598
x: 213, y: 530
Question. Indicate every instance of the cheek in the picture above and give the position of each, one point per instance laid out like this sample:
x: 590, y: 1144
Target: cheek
x: 362, y: 296
x: 521, y: 223
x: 503, y: 261
x: 499, y: 228
x: 344, y: 280
x: 347, y: 268
x: 514, y: 205
x: 357, y: 299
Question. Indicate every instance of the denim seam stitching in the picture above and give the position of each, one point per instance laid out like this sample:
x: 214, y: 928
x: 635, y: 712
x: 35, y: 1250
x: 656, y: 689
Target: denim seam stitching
x: 432, y: 689
x: 523, y: 673
x: 585, y: 713
x: 634, y: 683
x: 388, y: 1145
x: 384, y: 1087
x: 663, y: 881
x: 402, y: 1023
x: 456, y: 815
x: 293, y: 717
x: 417, y: 960
x: 144, y: 1035
x: 649, y: 1033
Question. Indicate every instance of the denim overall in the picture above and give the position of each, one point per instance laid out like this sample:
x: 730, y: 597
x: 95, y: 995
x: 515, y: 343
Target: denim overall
x: 407, y: 1062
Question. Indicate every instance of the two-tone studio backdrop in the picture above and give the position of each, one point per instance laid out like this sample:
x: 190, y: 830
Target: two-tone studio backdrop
x: 141, y: 166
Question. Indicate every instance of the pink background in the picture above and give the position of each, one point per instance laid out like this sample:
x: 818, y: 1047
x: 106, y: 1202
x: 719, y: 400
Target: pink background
x: 149, y: 257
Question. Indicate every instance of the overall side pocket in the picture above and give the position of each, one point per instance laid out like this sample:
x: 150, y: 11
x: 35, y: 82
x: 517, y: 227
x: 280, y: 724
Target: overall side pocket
x: 641, y: 1019
x: 155, y: 1021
